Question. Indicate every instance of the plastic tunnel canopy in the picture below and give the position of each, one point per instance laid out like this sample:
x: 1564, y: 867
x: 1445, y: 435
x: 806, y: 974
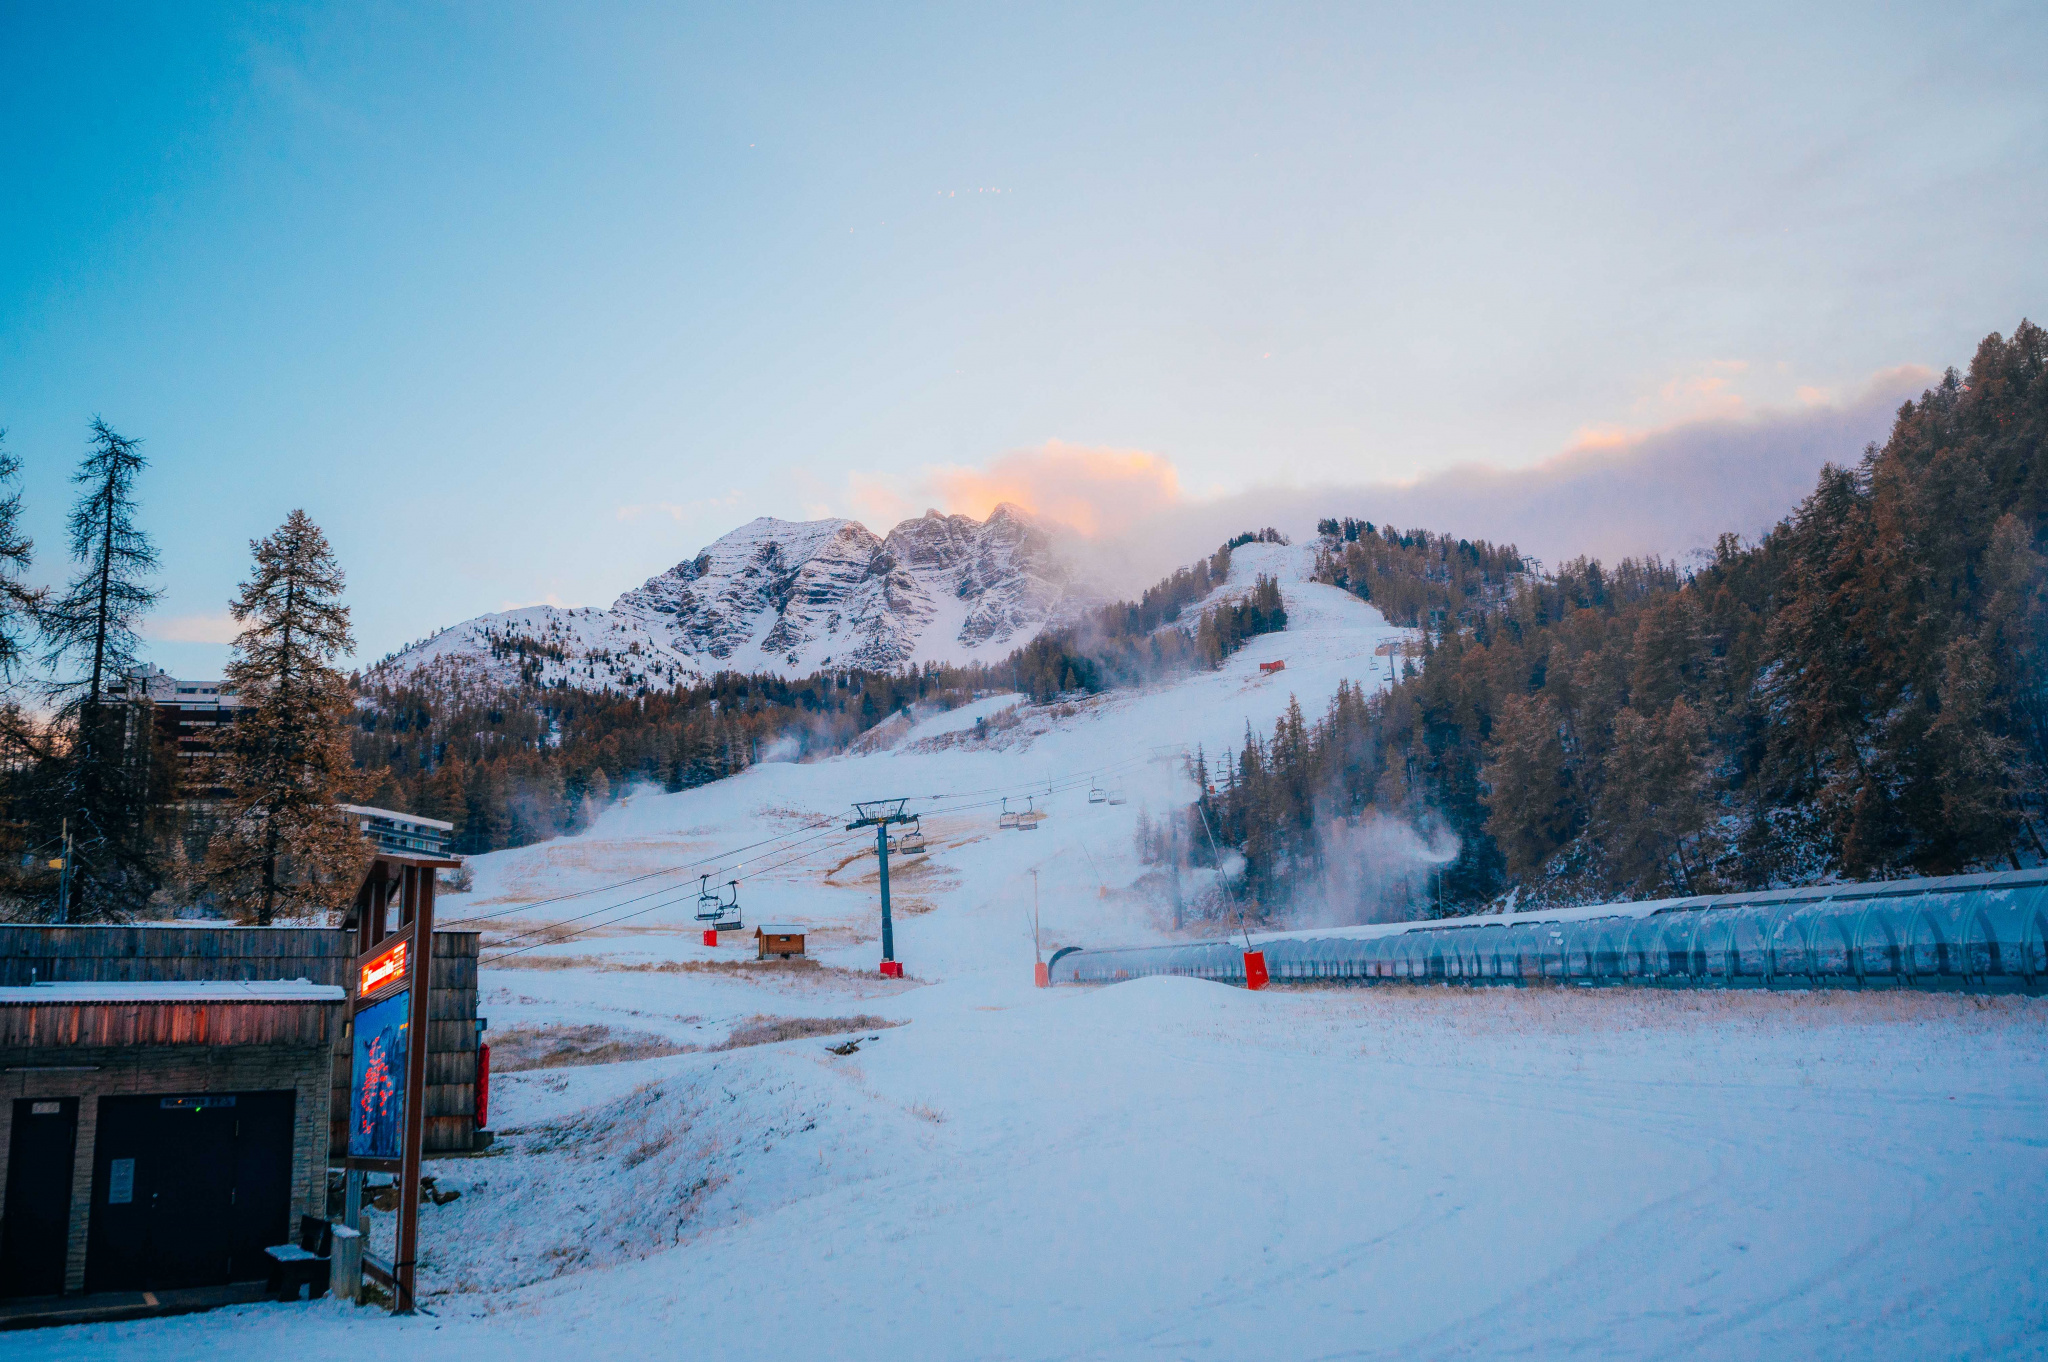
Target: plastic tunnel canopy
x: 1984, y: 933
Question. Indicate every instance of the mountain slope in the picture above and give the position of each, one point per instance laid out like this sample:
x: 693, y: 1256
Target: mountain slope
x: 786, y: 598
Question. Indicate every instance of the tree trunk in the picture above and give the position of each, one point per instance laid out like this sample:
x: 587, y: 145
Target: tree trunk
x: 263, y: 914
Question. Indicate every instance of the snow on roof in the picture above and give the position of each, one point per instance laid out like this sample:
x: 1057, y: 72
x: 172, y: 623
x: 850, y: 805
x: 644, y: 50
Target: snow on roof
x: 174, y: 991
x: 365, y: 811
x: 780, y: 928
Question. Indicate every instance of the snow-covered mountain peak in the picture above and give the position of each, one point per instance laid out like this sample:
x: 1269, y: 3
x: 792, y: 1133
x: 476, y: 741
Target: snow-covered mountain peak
x: 788, y: 597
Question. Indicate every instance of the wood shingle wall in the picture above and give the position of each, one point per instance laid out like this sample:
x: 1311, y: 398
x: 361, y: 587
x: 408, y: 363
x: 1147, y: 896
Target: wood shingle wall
x: 320, y: 955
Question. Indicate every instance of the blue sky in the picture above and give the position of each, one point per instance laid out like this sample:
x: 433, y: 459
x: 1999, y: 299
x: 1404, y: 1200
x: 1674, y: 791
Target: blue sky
x: 528, y: 303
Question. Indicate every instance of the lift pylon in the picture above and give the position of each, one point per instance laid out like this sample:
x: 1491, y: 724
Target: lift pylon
x: 880, y: 814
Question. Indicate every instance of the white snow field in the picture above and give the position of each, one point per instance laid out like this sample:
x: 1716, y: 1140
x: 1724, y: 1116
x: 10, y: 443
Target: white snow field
x: 1165, y: 1168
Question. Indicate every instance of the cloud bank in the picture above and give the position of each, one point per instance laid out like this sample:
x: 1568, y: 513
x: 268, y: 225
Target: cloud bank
x: 1616, y: 492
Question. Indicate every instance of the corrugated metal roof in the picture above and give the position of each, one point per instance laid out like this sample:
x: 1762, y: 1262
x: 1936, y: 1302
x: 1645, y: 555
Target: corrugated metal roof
x: 173, y: 991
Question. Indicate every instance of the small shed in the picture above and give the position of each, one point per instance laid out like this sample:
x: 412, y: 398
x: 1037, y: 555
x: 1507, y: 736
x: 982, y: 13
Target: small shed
x: 778, y: 938
x: 159, y: 1135
x: 34, y: 953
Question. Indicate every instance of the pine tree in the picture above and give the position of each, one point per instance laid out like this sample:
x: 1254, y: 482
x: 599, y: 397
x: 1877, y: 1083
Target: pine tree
x: 19, y: 602
x: 1652, y: 820
x: 281, y: 843
x: 89, y: 633
x: 1531, y: 792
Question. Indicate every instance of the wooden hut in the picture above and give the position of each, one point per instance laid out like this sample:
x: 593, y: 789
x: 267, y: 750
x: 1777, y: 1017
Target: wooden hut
x: 321, y: 955
x: 778, y: 938
x: 159, y: 1135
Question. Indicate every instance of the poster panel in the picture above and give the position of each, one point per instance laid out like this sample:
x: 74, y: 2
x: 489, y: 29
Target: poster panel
x: 376, y: 1126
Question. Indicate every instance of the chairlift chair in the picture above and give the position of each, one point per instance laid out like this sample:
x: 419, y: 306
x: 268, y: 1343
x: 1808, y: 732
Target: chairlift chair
x: 709, y: 909
x: 1096, y: 795
x: 1027, y: 821
x: 911, y: 843
x: 728, y: 914
x: 1116, y: 796
x: 1009, y: 820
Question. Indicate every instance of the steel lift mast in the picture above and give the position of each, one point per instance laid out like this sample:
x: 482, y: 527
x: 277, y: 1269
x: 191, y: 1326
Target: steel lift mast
x: 879, y: 814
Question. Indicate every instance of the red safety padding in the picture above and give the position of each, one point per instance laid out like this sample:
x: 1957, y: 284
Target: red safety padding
x: 483, y: 1087
x: 1254, y: 969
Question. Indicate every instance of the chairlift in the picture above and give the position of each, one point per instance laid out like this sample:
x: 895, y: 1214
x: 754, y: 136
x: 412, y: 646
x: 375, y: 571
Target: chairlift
x: 1096, y: 795
x: 728, y: 915
x: 1027, y: 821
x: 709, y: 908
x: 1116, y: 796
x: 1009, y: 820
x: 911, y: 843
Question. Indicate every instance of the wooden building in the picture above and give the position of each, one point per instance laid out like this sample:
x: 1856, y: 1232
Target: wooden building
x: 159, y: 1135
x: 778, y: 938
x: 320, y: 955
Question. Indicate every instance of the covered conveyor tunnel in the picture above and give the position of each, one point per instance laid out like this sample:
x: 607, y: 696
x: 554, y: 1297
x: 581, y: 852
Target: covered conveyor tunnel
x: 1985, y: 933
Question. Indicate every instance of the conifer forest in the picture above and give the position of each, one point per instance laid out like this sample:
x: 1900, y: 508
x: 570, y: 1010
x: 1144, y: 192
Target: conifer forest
x: 1862, y: 693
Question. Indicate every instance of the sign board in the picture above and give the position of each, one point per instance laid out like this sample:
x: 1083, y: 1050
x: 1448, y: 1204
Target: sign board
x: 201, y: 1102
x: 385, y: 968
x: 377, y: 1091
x: 388, y: 1028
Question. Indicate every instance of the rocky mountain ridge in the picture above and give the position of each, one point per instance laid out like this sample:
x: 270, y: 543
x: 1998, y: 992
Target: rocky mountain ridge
x: 786, y: 598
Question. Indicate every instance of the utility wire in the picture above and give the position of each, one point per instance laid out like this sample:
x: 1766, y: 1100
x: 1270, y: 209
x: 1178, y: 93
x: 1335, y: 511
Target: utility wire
x: 1074, y: 780
x: 595, y: 926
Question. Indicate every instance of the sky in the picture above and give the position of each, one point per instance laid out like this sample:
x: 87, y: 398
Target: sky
x: 527, y: 303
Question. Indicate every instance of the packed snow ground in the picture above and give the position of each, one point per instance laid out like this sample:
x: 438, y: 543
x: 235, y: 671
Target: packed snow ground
x: 1166, y: 1168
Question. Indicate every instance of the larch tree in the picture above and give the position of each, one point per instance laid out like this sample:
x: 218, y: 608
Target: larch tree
x: 23, y: 741
x: 282, y: 843
x: 19, y: 602
x: 89, y: 633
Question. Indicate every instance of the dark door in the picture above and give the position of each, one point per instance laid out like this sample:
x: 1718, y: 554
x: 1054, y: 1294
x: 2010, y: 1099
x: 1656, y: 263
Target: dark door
x: 38, y: 1217
x: 188, y: 1190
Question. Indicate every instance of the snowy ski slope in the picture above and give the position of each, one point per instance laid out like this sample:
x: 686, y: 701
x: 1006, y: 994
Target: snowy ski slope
x: 1164, y: 1168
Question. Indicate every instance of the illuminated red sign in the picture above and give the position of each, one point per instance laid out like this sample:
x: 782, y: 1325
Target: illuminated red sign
x: 383, y: 969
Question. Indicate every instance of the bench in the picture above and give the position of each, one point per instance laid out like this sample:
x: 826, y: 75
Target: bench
x: 305, y: 1263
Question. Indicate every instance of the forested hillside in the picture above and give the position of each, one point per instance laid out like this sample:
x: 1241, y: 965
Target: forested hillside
x: 1859, y: 694
x: 1414, y: 577
x: 509, y: 766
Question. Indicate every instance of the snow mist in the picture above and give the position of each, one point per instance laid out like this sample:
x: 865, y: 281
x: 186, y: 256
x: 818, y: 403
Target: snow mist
x: 1375, y: 869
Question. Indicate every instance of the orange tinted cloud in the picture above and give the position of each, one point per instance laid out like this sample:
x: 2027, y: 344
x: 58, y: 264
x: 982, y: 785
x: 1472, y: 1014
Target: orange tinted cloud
x: 1090, y: 490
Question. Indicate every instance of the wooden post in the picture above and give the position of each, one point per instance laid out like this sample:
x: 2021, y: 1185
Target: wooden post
x: 345, y: 1278
x: 419, y: 900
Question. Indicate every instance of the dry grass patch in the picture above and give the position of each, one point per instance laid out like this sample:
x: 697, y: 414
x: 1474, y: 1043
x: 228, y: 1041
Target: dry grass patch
x: 797, y: 972
x: 523, y: 1048
x: 771, y: 1030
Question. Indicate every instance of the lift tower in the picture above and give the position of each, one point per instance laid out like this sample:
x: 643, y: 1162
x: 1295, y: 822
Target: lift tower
x: 879, y: 814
